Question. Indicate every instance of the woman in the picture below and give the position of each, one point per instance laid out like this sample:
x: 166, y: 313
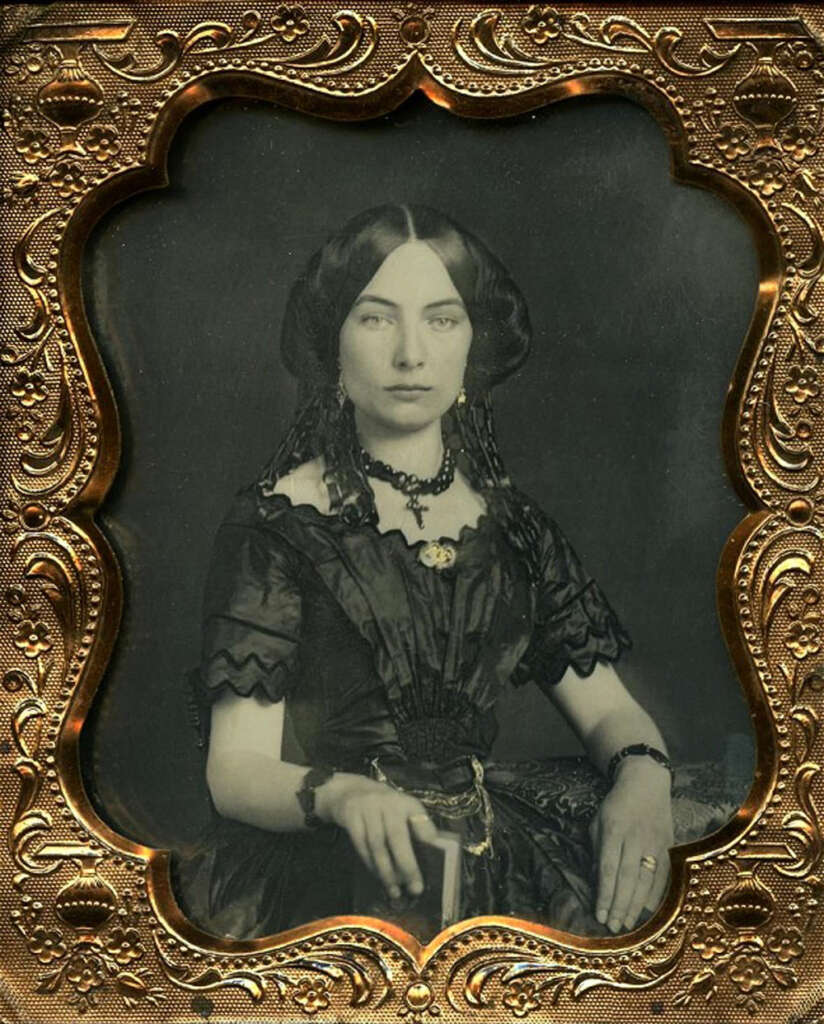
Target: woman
x: 369, y: 600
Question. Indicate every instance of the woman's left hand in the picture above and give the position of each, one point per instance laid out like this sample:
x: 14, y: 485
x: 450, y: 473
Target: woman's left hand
x: 633, y: 822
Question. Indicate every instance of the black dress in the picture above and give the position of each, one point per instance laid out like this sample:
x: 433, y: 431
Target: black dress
x: 393, y: 668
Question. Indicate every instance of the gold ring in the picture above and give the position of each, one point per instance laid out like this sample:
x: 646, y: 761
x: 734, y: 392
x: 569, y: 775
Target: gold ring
x: 649, y: 862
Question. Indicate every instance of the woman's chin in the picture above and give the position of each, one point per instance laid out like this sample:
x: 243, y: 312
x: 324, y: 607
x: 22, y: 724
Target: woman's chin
x: 407, y: 418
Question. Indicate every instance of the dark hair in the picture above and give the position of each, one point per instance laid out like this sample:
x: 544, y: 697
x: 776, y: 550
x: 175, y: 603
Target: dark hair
x: 318, y: 304
x: 323, y: 295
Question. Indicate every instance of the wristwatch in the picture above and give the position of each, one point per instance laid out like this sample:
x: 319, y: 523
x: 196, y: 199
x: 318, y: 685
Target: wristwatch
x: 306, y: 794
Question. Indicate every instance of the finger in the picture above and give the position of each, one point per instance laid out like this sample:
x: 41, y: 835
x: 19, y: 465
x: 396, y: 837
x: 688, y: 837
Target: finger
x: 422, y: 825
x: 640, y: 896
x: 376, y: 841
x: 595, y: 835
x: 659, y: 885
x: 400, y: 847
x: 625, y: 883
x: 357, y: 833
x: 608, y: 861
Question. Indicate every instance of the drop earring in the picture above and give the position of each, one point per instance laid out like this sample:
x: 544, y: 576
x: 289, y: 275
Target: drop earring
x: 340, y: 392
x: 461, y: 399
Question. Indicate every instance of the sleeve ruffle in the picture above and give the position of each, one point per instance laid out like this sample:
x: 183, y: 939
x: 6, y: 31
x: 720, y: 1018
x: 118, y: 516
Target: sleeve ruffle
x: 574, y: 622
x: 252, y: 616
x: 271, y: 672
x: 585, y: 631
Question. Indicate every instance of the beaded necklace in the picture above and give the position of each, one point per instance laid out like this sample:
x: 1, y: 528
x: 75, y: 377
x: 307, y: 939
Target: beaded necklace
x: 411, y: 485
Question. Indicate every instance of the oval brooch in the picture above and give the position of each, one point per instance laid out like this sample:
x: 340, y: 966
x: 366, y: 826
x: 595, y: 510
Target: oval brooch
x: 439, y: 556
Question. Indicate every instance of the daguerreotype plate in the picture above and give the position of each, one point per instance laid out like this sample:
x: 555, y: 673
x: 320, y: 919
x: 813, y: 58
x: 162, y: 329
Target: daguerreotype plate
x: 167, y: 171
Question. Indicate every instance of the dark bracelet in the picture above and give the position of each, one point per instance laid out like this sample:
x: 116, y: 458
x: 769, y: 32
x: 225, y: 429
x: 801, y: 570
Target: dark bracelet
x: 637, y: 749
x: 306, y: 794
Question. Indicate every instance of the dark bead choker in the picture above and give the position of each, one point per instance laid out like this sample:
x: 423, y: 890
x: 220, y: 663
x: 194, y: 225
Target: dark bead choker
x: 409, y: 484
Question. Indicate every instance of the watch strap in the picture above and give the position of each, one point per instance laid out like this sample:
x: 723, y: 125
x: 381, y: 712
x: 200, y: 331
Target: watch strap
x: 314, y: 778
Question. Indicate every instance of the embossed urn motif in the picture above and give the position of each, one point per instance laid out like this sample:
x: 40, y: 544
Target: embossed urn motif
x: 747, y: 904
x: 69, y: 100
x: 72, y: 97
x: 87, y: 902
x: 766, y: 96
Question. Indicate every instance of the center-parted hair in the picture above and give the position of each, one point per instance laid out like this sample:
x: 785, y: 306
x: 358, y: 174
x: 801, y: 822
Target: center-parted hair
x: 321, y: 298
x: 320, y: 301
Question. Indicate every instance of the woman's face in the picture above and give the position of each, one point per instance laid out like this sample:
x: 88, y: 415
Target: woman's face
x: 405, y: 341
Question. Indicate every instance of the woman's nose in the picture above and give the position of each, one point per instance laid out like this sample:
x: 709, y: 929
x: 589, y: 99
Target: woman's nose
x: 410, y: 351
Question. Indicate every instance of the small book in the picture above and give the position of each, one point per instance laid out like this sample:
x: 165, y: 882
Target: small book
x: 438, y: 906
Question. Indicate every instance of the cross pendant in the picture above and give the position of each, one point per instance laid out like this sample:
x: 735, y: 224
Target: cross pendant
x: 417, y: 509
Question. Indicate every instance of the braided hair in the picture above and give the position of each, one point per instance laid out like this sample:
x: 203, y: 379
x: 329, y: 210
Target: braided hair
x: 318, y: 304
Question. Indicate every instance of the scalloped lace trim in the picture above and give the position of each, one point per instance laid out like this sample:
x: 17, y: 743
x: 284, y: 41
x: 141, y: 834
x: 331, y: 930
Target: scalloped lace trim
x: 247, y: 674
x: 467, y: 531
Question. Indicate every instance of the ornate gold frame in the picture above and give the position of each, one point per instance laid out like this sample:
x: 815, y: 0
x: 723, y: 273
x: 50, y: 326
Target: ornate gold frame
x: 92, y: 94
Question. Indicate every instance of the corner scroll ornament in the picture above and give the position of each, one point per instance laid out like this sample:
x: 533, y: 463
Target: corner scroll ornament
x: 499, y: 53
x: 50, y: 564
x: 531, y: 980
x: 32, y: 636
x: 786, y: 411
x: 72, y: 129
x: 53, y: 445
x: 787, y: 590
x: 353, y: 43
x: 307, y: 977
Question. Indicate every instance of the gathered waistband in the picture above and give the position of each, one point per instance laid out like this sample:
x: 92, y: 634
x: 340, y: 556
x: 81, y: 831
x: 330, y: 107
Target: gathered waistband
x: 454, y: 791
x: 451, y: 776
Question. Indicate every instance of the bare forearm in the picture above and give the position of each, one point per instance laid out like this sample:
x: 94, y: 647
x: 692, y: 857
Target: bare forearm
x: 620, y: 728
x: 606, y: 716
x: 259, y: 790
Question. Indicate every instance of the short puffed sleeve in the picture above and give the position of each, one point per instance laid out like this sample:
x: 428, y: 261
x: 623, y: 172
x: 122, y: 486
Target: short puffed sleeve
x: 574, y: 623
x: 252, y: 614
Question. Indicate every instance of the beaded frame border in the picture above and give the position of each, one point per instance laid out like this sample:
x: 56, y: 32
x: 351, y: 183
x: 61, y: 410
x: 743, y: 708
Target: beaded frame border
x: 91, y: 94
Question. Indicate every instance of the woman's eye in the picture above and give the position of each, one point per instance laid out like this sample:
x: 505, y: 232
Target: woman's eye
x: 375, y: 321
x: 442, y: 323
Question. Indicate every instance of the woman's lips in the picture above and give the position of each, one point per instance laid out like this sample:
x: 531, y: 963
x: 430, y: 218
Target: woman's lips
x: 408, y: 392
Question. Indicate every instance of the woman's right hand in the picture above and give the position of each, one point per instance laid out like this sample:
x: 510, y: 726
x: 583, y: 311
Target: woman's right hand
x: 378, y: 820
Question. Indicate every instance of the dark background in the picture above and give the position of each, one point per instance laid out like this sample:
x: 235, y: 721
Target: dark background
x: 640, y: 292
